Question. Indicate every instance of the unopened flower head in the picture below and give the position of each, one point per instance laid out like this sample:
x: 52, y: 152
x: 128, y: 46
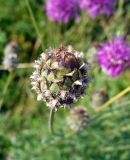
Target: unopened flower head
x: 99, y: 97
x: 60, y: 77
x: 10, y: 61
x: 78, y: 119
x: 114, y: 56
x: 62, y: 11
x: 98, y: 7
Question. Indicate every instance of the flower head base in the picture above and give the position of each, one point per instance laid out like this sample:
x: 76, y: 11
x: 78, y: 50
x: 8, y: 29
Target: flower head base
x: 114, y: 56
x: 98, y: 7
x: 60, y: 77
x: 78, y: 119
x: 10, y: 61
x: 62, y: 11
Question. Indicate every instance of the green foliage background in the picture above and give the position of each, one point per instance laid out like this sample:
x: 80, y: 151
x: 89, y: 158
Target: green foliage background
x: 24, y: 121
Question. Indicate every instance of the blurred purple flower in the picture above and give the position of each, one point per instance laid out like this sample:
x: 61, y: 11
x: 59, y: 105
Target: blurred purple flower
x: 114, y: 56
x: 62, y: 10
x: 98, y: 7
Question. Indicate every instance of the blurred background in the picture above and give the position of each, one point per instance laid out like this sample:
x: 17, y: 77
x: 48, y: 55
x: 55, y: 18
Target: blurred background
x: 24, y: 131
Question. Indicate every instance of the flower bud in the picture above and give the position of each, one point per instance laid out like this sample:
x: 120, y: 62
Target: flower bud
x: 78, y: 119
x: 99, y: 97
x: 10, y: 61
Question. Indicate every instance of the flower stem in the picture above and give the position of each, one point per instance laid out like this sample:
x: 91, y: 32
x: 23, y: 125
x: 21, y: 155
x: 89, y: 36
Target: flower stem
x: 20, y: 66
x: 113, y: 99
x: 120, y: 8
x: 5, y: 89
x: 51, y: 120
x: 34, y: 21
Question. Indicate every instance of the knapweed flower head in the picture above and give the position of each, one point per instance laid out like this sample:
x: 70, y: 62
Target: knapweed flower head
x: 114, y: 56
x: 78, y: 119
x: 10, y: 61
x: 62, y: 11
x: 98, y: 7
x: 60, y: 77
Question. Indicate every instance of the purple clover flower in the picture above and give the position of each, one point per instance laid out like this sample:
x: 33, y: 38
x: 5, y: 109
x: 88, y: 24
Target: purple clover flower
x: 114, y: 56
x: 62, y: 10
x: 98, y: 7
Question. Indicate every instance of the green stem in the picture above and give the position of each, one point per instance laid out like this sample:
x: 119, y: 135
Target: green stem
x: 20, y: 66
x: 113, y: 99
x: 33, y: 21
x: 9, y: 79
x: 51, y: 120
x: 120, y: 8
